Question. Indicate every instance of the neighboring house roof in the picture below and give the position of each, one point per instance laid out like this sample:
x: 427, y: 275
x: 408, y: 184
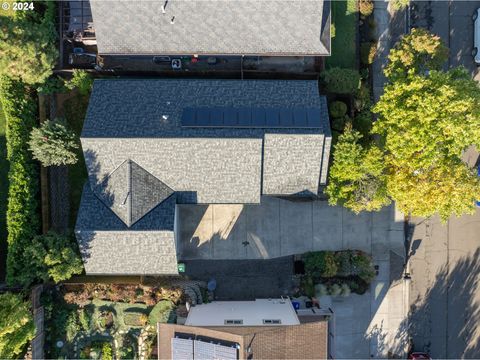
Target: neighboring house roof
x: 244, y: 313
x: 304, y: 341
x: 141, y: 120
x: 266, y: 27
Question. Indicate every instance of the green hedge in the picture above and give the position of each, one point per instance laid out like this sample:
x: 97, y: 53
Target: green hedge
x: 23, y: 223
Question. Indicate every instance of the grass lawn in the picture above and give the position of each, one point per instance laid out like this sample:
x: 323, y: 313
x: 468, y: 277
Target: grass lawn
x: 3, y: 194
x: 343, y: 44
x: 75, y: 110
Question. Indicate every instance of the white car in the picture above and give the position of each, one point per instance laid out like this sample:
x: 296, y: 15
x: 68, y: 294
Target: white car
x: 476, y: 37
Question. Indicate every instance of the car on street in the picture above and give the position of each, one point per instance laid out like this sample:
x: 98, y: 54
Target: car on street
x: 476, y: 36
x: 416, y: 355
x: 478, y: 174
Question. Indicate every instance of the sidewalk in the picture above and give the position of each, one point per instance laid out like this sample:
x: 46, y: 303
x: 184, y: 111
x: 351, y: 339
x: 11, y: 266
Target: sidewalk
x: 390, y: 27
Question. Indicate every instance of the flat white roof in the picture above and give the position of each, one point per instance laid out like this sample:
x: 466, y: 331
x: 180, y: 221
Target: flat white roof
x: 261, y: 312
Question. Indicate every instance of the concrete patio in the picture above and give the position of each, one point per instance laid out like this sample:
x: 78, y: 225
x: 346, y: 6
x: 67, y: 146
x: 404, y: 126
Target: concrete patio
x: 279, y: 227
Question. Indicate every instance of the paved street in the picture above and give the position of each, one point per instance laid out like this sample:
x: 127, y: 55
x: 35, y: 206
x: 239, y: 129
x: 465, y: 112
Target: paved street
x: 445, y: 293
x: 452, y: 21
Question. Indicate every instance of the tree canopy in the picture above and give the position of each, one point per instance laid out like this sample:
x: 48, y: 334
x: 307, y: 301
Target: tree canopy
x: 16, y: 325
x: 357, y: 177
x: 27, y: 45
x: 416, y: 53
x: 426, y: 122
x: 51, y: 257
x: 53, y: 144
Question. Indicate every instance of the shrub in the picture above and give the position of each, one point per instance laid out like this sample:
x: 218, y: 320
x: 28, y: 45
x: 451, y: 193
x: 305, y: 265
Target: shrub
x: 339, y: 123
x: 365, y: 7
x: 85, y: 319
x: 345, y: 290
x: 16, y: 324
x: 335, y: 290
x: 362, y: 122
x: 337, y: 109
x: 135, y: 319
x: 362, y: 98
x: 321, y: 290
x: 341, y: 81
x: 23, y: 223
x: 107, y: 351
x: 320, y: 264
x: 52, y: 85
x: 308, y: 286
x: 53, y: 144
x: 368, y: 50
x: 363, y: 267
x: 162, y: 312
x: 82, y: 81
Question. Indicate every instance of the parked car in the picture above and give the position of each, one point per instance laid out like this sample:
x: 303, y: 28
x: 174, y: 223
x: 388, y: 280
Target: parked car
x: 161, y: 59
x: 478, y: 174
x: 419, y: 356
x: 476, y: 37
x: 82, y: 60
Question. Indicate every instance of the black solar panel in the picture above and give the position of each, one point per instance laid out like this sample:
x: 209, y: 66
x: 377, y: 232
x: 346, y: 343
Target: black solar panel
x: 251, y: 117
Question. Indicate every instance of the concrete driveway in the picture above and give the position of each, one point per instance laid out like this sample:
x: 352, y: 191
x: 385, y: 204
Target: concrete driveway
x: 279, y: 227
x: 452, y: 21
x: 370, y: 325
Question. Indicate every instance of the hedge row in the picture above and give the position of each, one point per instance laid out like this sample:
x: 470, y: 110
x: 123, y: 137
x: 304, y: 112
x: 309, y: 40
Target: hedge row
x: 23, y: 223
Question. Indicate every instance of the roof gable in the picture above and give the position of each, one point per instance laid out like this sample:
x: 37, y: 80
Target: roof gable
x: 131, y: 192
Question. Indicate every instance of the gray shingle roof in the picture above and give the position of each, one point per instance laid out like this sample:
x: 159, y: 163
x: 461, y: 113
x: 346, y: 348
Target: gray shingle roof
x: 130, y: 192
x: 277, y: 27
x: 141, y: 120
x: 292, y: 163
x: 108, y: 246
x: 141, y: 161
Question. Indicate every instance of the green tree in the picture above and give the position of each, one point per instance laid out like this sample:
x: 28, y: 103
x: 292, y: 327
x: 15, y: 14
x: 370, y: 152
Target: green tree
x: 429, y: 119
x: 16, y: 325
x: 357, y: 177
x: 426, y: 123
x: 399, y: 4
x: 51, y: 257
x: 416, y: 53
x: 82, y: 81
x: 53, y: 144
x: 58, y: 256
x: 447, y: 188
x: 27, y: 45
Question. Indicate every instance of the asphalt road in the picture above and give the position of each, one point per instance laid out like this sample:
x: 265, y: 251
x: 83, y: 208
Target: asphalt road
x: 444, y: 262
x: 445, y: 291
x: 452, y: 21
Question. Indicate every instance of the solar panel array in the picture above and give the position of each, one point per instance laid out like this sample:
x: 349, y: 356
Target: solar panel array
x: 188, y: 349
x: 251, y: 117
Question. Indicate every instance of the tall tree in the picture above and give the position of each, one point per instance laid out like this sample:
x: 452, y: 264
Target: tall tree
x: 16, y: 325
x: 427, y: 122
x: 417, y: 52
x: 53, y: 144
x: 357, y: 177
x: 27, y: 44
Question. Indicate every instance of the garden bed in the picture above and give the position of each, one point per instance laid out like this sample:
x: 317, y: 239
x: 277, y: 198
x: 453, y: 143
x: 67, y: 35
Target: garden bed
x: 87, y: 320
x: 337, y: 273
